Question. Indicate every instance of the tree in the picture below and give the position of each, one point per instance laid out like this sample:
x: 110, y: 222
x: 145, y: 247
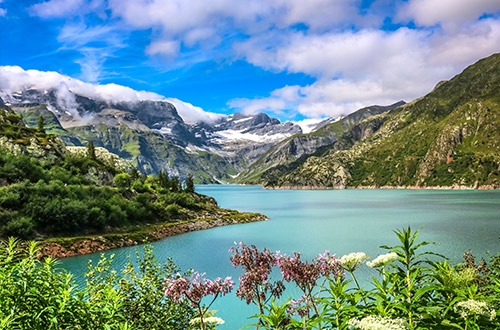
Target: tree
x: 175, y: 185
x: 163, y: 180
x: 122, y: 180
x: 190, y: 184
x: 91, y: 150
x: 134, y: 173
x: 41, y: 124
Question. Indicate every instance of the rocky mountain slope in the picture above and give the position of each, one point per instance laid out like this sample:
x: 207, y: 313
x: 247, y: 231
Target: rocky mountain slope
x: 291, y: 152
x: 450, y: 137
x: 152, y: 134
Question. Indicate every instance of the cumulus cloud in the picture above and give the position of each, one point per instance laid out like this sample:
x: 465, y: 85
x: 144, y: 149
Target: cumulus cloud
x: 15, y: 79
x: 200, y: 22
x: 169, y: 48
x: 3, y: 12
x: 357, y: 69
x: 449, y: 13
x: 339, y: 43
x: 192, y: 114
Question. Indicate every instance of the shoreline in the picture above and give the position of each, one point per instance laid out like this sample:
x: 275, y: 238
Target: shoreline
x: 63, y: 247
x: 453, y: 187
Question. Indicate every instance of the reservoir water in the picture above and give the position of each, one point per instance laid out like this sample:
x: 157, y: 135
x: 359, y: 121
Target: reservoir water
x: 311, y: 222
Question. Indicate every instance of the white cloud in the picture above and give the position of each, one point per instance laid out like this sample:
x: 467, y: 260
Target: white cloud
x: 337, y: 42
x: 209, y: 23
x: 55, y: 8
x: 449, y: 13
x: 3, y: 12
x: 357, y: 69
x: 66, y: 8
x: 169, y: 48
x: 81, y: 38
x: 193, y: 114
x: 253, y: 106
x: 16, y: 79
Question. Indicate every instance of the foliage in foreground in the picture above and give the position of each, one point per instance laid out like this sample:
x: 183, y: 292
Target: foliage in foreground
x: 34, y: 294
x: 414, y: 289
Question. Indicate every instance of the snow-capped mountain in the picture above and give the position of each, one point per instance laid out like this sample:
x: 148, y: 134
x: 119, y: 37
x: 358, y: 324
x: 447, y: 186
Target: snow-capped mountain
x: 150, y: 132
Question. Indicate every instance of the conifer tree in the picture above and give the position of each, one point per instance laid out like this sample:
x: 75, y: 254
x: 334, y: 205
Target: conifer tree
x: 41, y: 124
x: 91, y: 150
x: 190, y: 184
x: 175, y: 185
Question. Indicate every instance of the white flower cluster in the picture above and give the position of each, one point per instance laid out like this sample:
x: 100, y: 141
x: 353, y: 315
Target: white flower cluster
x: 382, y: 260
x: 374, y: 322
x: 351, y: 261
x: 469, y: 307
x: 207, y: 320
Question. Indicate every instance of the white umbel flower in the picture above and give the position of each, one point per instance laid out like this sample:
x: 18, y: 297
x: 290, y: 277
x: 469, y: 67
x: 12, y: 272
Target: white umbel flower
x: 214, y: 320
x: 382, y: 260
x: 471, y: 307
x: 351, y: 261
x: 374, y: 322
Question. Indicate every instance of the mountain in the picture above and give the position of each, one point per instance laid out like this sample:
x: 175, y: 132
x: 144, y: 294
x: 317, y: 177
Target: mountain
x: 151, y: 133
x: 450, y: 137
x: 67, y: 196
x: 293, y: 151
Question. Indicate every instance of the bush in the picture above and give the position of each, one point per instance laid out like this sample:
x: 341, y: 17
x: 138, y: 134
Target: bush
x: 35, y: 295
x: 173, y: 210
x: 122, y: 180
x: 21, y: 227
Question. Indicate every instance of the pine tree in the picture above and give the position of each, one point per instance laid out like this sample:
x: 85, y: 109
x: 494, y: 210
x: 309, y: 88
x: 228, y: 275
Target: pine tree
x: 134, y: 173
x: 41, y: 124
x: 190, y: 184
x: 91, y: 150
x: 175, y: 185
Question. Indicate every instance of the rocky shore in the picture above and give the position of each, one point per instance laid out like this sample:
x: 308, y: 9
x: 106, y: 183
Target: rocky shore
x: 453, y: 187
x: 75, y: 246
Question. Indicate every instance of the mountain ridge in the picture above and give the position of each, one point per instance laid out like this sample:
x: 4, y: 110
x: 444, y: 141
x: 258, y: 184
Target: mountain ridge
x: 450, y: 137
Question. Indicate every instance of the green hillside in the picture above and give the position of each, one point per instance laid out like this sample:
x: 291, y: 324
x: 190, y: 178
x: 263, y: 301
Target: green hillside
x: 450, y: 137
x: 295, y: 150
x: 47, y: 191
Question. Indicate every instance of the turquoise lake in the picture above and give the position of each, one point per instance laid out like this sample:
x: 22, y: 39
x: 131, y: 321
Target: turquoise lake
x: 311, y: 222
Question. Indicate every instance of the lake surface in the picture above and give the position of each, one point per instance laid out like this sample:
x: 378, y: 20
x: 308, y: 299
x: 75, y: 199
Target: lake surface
x: 311, y: 222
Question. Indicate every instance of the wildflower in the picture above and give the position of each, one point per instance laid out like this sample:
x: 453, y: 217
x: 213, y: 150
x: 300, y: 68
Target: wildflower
x: 470, y: 307
x: 382, y: 260
x: 212, y: 320
x: 301, y: 306
x: 351, y: 261
x: 374, y: 322
x: 194, y: 289
x: 256, y: 283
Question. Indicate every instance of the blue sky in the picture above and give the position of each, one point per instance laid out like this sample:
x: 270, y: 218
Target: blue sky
x: 292, y: 59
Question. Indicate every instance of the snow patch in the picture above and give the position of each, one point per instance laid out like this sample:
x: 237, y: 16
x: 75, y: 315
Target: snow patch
x: 164, y: 131
x: 239, y: 135
x: 308, y: 125
x: 242, y: 120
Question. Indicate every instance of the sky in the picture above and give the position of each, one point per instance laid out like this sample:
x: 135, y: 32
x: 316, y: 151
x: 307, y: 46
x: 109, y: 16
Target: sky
x: 293, y: 59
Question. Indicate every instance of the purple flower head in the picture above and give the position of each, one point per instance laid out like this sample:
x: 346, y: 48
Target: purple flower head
x: 194, y: 289
x: 305, y: 274
x: 257, y: 265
